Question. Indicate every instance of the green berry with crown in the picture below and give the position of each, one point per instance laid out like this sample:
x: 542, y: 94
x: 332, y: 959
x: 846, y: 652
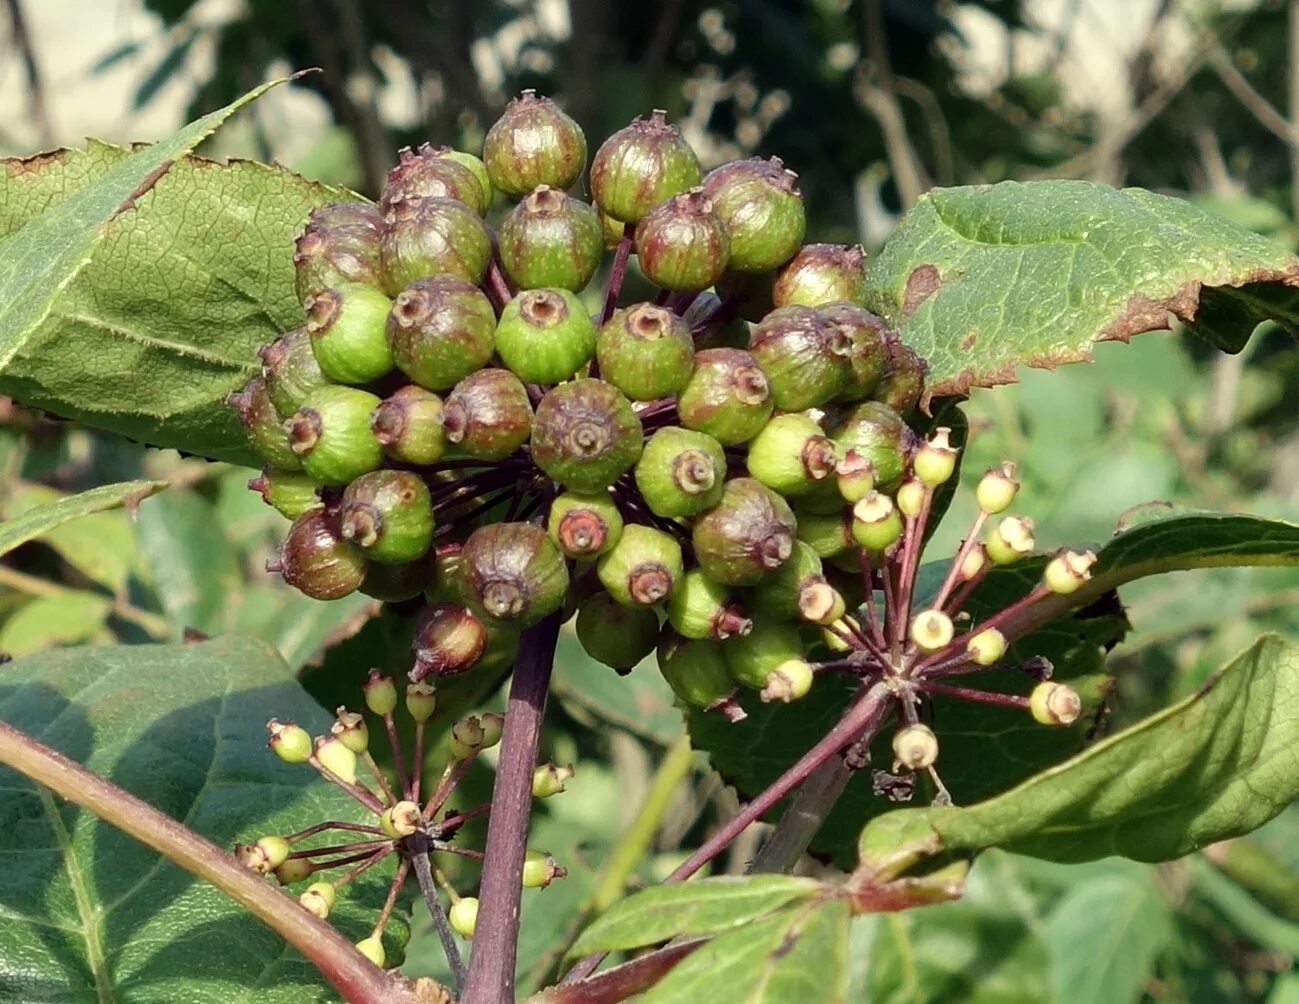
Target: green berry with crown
x: 746, y: 536
x: 533, y: 143
x: 819, y: 274
x: 290, y: 370
x: 805, y: 357
x: 584, y: 526
x: 427, y: 173
x: 389, y: 515
x: 645, y: 351
x: 683, y: 244
x: 264, y: 425
x: 347, y: 327
x: 586, y: 435
x: 488, y: 414
x: 440, y: 330
x: 762, y: 207
x: 513, y: 572
x: 317, y: 560
x: 727, y: 396
x: 700, y: 607
x: 551, y: 239
x: 408, y: 425
x: 545, y: 335
x: 432, y: 237
x: 331, y: 434
x: 291, y: 493
x: 791, y: 455
x: 643, y: 567
x: 681, y: 472
x: 641, y: 166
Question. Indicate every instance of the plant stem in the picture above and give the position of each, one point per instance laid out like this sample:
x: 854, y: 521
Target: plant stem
x: 803, y: 818
x: 617, y: 271
x: 491, y: 966
x: 355, y: 978
x: 620, y: 982
x: 440, y: 924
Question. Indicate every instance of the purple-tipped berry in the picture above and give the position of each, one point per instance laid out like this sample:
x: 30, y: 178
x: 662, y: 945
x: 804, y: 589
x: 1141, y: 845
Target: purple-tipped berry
x: 700, y: 607
x: 747, y: 535
x: 340, y: 245
x: 820, y: 274
x: 290, y: 493
x: 264, y: 425
x: 513, y: 572
x: 791, y: 455
x: 389, y: 514
x: 868, y: 339
x: 290, y: 370
x: 683, y: 244
x: 728, y: 396
x: 878, y: 436
x: 429, y: 174
x: 533, y: 143
x: 316, y: 559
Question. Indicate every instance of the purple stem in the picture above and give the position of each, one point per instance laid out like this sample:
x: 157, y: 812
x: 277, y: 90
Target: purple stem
x: 617, y: 272
x: 978, y: 696
x: 491, y: 967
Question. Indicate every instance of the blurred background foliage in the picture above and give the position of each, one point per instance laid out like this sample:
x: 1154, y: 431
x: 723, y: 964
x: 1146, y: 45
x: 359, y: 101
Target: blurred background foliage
x: 872, y: 102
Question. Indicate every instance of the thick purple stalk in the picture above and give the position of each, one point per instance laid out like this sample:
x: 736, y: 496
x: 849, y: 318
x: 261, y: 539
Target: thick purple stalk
x: 491, y: 967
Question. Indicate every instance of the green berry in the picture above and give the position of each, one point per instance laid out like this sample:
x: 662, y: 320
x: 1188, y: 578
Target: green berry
x: 545, y: 335
x: 791, y: 455
x: 349, y: 728
x: 441, y: 329
x: 430, y: 174
x: 551, y: 239
x: 473, y: 734
x: 911, y: 496
x: 614, y: 633
x: 728, y: 396
x: 584, y: 526
x: 288, y: 492
x: 290, y: 370
x: 347, y: 333
x: 903, y: 382
x: 264, y: 425
x: 397, y: 583
x: 550, y: 779
x: 331, y: 434
x: 463, y: 916
x: 408, y: 425
x: 915, y: 747
x: 586, y: 435
x: 389, y: 514
x: 372, y: 949
x: 1053, y: 703
x: 513, y: 572
x: 820, y: 274
x: 1068, y: 572
x: 826, y: 533
x: 997, y: 489
x: 319, y: 899
x: 1010, y: 540
x: 316, y: 560
x: 854, y: 476
x: 770, y: 659
x: 421, y: 701
x: 804, y: 356
x: 646, y: 352
x: 876, y: 522
x: 289, y: 741
x: 696, y: 671
x: 987, y: 647
x: 380, y: 693
x: 683, y: 244
x: 488, y: 414
x: 641, y: 166
x: 448, y: 640
x: 293, y: 870
x: 934, y: 462
x: 932, y: 631
x: 869, y: 338
x: 798, y: 589
x: 879, y: 436
x: 401, y: 819
x: 762, y: 208
x: 700, y: 607
x: 431, y: 237
x: 540, y: 869
x: 339, y: 246
x: 334, y: 756
x: 642, y: 568
x: 747, y: 535
x: 533, y: 143
x: 680, y: 472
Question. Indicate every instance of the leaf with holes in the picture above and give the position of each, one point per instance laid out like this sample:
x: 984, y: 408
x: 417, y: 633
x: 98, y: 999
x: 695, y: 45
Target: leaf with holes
x: 982, y: 280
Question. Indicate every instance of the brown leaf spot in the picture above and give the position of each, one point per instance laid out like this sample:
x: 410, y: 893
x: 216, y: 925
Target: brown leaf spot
x: 146, y: 183
x: 19, y: 167
x: 922, y: 283
x: 968, y: 341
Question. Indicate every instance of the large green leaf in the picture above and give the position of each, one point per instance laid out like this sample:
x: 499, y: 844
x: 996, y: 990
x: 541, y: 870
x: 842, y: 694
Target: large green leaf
x: 164, y: 319
x: 41, y: 519
x: 1216, y: 765
x: 982, y: 280
x: 88, y: 914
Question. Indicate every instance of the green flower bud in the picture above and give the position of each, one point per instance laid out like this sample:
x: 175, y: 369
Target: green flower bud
x: 288, y: 492
x: 805, y: 357
x: 820, y: 274
x: 728, y: 396
x: 878, y: 435
x: 932, y: 631
x: 545, y: 335
x: 473, y: 734
x: 421, y: 701
x: 642, y: 568
x: 513, y: 572
x: 827, y: 534
x: 1010, y: 540
x: 854, y: 476
x: 1068, y: 571
x: 761, y: 205
x: 869, y: 338
x: 448, y: 640
x: 910, y: 497
x: 747, y: 535
x: 551, y: 239
x: 987, y: 647
x: 441, y: 329
x: 714, y: 326
x: 681, y: 472
x: 1055, y: 704
x: 401, y: 820
x: 488, y: 414
x: 997, y: 489
x: 702, y: 608
x: 876, y: 523
x: 331, y: 434
x: 339, y: 245
x: 319, y: 899
x: 915, y: 747
x: 293, y: 870
x: 683, y: 244
x: 380, y: 693
x: 264, y: 426
x: 791, y: 456
x: 316, y: 560
x: 788, y: 682
x: 646, y: 352
x: 408, y: 425
x: 431, y: 237
x: 641, y: 166
x: 584, y: 526
x: 586, y: 435
x: 289, y: 741
x: 390, y: 515
x: 550, y: 779
x: 615, y: 634
x: 935, y: 461
x: 290, y: 370
x: 429, y: 174
x: 751, y: 658
x: 463, y: 916
x: 533, y: 143
x: 540, y: 869
x: 372, y: 949
x: 264, y: 856
x: 334, y: 756
x: 696, y: 671
x: 347, y: 333
x: 903, y: 382
x: 349, y: 728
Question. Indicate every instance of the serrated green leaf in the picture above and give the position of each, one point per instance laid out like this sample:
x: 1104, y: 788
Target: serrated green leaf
x: 705, y: 906
x: 1216, y: 765
x: 41, y: 519
x: 88, y: 914
x: 799, y: 954
x: 67, y: 618
x: 982, y: 280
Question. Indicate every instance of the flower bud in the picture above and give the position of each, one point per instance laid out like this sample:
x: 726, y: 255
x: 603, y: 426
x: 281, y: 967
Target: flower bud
x: 1055, y: 703
x: 550, y: 779
x: 681, y: 472
x: 540, y: 869
x: 753, y: 657
x: 878, y: 435
x: 427, y: 174
x: 876, y: 523
x: 334, y: 756
x: 868, y: 356
x: 932, y: 630
x: 331, y: 436
x: 545, y: 335
x: 488, y: 414
x: 854, y: 476
x: 264, y: 856
x: 372, y: 949
x: 987, y: 647
x: 293, y: 870
x: 380, y: 693
x: 289, y: 741
x: 791, y: 455
x: 448, y: 640
x: 339, y: 245
x: 533, y: 143
x: 699, y: 607
x: 616, y: 634
x: 682, y: 244
x: 463, y: 916
x: 347, y: 333
x: 432, y: 237
x: 788, y: 682
x: 264, y: 426
x: 915, y: 747
x: 586, y: 435
x: 1011, y: 540
x: 935, y: 462
x: 761, y: 205
x: 727, y: 396
x: 389, y: 515
x: 642, y: 568
x: 421, y: 701
x: 408, y: 425
x: 475, y: 733
x: 513, y: 572
x: 903, y: 382
x: 1068, y: 571
x: 696, y: 672
x: 805, y: 357
x: 288, y: 492
x: 819, y: 274
x: 645, y: 351
x: 584, y: 526
x: 715, y: 326
x: 747, y: 535
x: 997, y: 489
x: 319, y: 899
x: 441, y: 329
x: 290, y: 370
x: 400, y: 820
x: 641, y: 166
x: 316, y: 560
x: 551, y: 239
x: 910, y: 497
x: 349, y: 728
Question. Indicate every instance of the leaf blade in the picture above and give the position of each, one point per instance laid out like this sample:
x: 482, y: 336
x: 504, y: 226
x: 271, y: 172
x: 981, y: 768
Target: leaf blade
x: 49, y: 516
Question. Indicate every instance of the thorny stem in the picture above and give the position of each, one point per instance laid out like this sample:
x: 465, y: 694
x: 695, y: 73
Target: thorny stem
x: 449, y: 947
x: 491, y: 966
x: 617, y: 272
x: 355, y: 978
